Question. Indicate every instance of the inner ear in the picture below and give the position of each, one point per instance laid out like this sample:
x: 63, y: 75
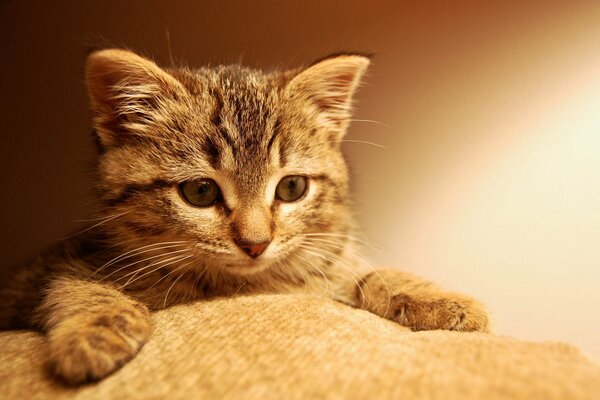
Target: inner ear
x: 330, y: 85
x: 125, y: 89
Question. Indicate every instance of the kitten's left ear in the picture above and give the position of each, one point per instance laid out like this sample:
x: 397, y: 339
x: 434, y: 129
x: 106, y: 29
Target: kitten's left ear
x: 329, y: 85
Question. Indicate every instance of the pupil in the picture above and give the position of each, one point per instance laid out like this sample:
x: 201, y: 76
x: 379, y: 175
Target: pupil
x: 292, y: 186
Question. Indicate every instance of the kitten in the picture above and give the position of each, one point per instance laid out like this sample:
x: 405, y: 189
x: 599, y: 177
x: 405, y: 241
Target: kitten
x: 211, y: 182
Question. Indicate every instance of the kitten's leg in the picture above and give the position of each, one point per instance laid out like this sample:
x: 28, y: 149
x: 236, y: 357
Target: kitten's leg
x: 419, y: 304
x: 19, y: 295
x: 93, y: 329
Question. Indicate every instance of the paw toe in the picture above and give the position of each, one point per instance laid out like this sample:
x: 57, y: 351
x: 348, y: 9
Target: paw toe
x: 468, y: 316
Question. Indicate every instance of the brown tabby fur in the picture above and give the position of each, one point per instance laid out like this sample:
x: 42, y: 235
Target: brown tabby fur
x: 245, y: 129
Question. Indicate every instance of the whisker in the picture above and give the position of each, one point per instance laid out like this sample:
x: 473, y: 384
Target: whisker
x: 328, y: 242
x: 156, y: 269
x: 374, y: 270
x: 330, y: 257
x: 107, y: 219
x: 362, y: 142
x: 136, y: 252
x: 372, y: 121
x: 327, y: 282
x: 239, y: 288
x: 99, y: 218
x: 171, y: 287
x: 143, y: 260
x: 160, y: 264
x: 194, y: 287
x: 352, y: 274
x: 337, y: 235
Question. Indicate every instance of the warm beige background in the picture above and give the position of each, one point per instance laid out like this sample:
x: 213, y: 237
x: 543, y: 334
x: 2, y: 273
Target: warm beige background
x: 489, y: 181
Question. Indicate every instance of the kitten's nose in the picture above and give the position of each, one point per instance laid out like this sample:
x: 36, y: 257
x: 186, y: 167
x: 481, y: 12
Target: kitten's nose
x: 253, y: 249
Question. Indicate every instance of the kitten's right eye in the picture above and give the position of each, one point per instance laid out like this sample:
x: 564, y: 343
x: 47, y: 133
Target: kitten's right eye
x: 291, y: 188
x: 200, y: 193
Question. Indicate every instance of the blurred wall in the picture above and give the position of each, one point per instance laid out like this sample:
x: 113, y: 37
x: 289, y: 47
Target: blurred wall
x: 489, y: 179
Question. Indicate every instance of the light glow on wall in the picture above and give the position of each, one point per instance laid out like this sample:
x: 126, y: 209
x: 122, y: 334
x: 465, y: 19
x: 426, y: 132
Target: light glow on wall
x: 497, y: 182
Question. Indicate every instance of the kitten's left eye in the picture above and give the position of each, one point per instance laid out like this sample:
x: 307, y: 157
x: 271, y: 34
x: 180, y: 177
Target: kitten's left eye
x: 200, y: 193
x: 291, y: 188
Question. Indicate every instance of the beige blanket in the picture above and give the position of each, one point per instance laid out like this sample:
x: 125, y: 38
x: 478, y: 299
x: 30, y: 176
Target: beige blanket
x: 297, y: 347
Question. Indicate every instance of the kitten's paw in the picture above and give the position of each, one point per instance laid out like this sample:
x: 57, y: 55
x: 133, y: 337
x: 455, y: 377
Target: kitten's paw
x: 449, y: 312
x: 90, y: 347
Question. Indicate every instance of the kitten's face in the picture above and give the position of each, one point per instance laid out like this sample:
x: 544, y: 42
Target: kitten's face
x: 237, y: 164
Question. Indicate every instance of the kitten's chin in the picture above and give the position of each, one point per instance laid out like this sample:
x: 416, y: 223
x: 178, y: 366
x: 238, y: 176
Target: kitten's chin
x: 247, y: 268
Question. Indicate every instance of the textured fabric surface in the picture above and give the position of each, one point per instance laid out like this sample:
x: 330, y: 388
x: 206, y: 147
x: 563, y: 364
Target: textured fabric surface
x: 299, y: 347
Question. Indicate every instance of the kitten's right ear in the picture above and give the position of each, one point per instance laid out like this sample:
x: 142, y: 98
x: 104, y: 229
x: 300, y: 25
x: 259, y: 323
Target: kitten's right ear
x: 125, y: 89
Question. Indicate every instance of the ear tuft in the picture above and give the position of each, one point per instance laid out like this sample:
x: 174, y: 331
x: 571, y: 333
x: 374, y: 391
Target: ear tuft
x: 124, y: 86
x: 330, y: 84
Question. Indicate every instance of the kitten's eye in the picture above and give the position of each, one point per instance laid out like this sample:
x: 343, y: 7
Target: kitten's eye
x: 291, y: 188
x: 200, y: 193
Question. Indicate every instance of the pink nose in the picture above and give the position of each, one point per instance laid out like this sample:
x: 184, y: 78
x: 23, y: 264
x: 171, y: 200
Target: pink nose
x: 253, y: 249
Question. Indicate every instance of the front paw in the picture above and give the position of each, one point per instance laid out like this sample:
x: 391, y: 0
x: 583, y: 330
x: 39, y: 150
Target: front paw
x: 91, y: 346
x: 449, y: 311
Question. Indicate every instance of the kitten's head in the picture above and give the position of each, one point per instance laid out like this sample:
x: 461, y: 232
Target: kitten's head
x: 241, y: 166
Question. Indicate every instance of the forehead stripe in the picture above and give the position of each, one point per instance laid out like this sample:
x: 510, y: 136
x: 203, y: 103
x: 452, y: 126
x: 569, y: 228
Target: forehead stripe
x: 217, y: 121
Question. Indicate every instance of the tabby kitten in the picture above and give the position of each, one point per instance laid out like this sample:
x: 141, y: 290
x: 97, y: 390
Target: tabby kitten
x: 211, y: 182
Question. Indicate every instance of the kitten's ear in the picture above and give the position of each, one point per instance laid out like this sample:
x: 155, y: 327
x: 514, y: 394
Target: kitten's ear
x: 329, y: 85
x: 125, y: 89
